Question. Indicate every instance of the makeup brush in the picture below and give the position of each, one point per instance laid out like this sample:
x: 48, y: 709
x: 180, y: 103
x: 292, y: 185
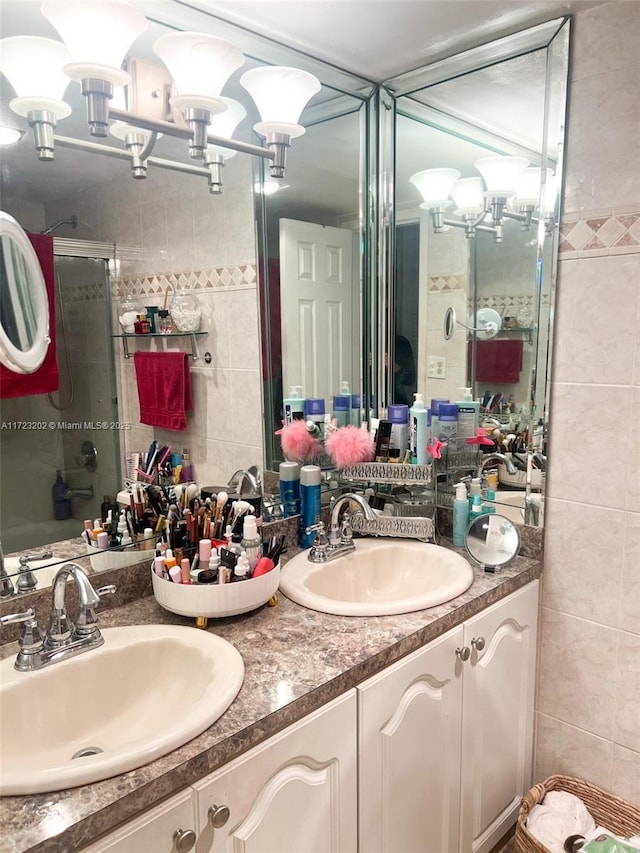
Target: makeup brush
x: 221, y: 501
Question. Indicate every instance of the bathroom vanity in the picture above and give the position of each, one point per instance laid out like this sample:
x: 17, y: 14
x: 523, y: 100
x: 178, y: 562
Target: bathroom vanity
x: 336, y: 714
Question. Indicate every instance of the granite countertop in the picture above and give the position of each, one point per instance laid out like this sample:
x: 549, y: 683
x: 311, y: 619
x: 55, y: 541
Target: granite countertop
x: 280, y: 687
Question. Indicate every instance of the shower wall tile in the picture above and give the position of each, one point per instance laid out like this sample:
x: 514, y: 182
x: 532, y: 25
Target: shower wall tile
x: 572, y: 751
x: 625, y: 773
x: 630, y: 580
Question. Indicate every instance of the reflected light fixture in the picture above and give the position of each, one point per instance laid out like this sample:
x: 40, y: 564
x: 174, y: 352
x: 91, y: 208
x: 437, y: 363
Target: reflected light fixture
x: 222, y: 125
x: 280, y: 94
x: 97, y: 35
x: 509, y: 189
x: 33, y: 66
x: 9, y: 135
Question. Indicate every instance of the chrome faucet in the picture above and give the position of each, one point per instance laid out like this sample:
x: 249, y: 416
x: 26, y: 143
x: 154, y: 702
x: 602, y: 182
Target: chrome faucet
x: 27, y: 580
x: 6, y: 584
x: 340, y: 538
x: 62, y: 638
x: 252, y: 477
x: 511, y: 468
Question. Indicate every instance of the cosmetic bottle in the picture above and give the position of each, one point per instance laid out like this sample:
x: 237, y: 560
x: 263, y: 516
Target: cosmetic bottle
x: 383, y: 439
x: 476, y: 507
x: 460, y: 515
x: 314, y: 413
x: 399, y: 417
x: 489, y: 505
x: 448, y: 424
x: 293, y: 405
x: 290, y: 488
x: 468, y: 417
x: 342, y: 409
x: 163, y: 323
x: 356, y: 410
x: 310, y: 476
x: 418, y: 431
x: 186, y: 474
x: 475, y: 490
x: 142, y: 326
x: 242, y: 571
x: 251, y: 542
x: 435, y: 410
x: 152, y: 316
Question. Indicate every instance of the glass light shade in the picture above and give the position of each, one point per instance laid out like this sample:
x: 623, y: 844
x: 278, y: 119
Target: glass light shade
x: 528, y: 187
x: 98, y: 34
x: 435, y: 186
x: 200, y: 65
x: 501, y: 174
x: 33, y: 66
x: 280, y: 94
x: 120, y: 129
x: 467, y: 196
x: 224, y: 124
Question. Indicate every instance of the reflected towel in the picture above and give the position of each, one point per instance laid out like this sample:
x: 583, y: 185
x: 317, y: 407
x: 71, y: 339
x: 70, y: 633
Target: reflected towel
x: 164, y: 388
x: 498, y: 361
x: 45, y: 379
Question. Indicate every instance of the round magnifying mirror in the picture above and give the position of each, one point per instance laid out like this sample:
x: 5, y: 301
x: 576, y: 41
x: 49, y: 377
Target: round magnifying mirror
x: 24, y: 307
x: 449, y: 323
x: 492, y: 541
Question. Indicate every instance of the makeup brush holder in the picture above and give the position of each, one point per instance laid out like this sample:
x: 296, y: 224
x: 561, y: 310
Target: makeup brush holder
x: 215, y: 600
x: 102, y: 561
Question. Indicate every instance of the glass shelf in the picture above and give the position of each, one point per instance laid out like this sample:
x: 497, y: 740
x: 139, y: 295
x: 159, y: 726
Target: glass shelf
x: 125, y: 337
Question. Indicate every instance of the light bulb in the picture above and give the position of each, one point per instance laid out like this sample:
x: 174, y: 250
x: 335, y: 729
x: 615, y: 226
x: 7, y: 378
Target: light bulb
x: 9, y: 135
x: 280, y: 93
x: 434, y: 186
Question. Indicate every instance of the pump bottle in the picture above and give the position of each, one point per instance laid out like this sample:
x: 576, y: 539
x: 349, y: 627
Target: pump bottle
x: 468, y: 417
x: 418, y: 430
x: 460, y: 515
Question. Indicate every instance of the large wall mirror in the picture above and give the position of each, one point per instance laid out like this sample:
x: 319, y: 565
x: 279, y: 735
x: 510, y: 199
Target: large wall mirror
x: 502, y: 104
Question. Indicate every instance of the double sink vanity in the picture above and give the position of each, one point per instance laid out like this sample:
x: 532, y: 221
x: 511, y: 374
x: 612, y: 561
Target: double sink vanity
x: 287, y: 728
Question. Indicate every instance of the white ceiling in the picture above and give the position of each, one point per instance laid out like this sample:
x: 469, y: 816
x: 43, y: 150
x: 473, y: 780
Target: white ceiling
x: 379, y: 39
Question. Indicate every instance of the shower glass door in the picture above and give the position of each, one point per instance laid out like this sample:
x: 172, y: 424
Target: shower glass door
x: 73, y: 430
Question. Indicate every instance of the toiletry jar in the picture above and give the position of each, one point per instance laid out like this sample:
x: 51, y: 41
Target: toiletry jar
x: 215, y: 600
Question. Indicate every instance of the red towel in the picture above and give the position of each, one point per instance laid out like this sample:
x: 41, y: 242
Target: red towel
x: 164, y: 388
x: 45, y: 379
x: 498, y: 361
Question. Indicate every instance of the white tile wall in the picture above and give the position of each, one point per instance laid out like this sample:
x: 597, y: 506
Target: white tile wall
x: 588, y: 706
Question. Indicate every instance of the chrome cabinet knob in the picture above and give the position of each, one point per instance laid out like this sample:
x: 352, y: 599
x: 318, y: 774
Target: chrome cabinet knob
x: 478, y: 643
x: 463, y: 653
x: 184, y: 840
x: 218, y: 816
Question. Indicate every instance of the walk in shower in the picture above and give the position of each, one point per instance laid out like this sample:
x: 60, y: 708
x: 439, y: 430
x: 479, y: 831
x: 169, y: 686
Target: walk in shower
x: 71, y: 430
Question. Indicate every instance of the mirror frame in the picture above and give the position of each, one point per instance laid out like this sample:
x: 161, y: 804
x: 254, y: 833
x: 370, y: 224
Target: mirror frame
x: 15, y: 359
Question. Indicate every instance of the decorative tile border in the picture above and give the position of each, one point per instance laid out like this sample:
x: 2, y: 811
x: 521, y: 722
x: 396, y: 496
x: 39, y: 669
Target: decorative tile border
x: 598, y: 233
x: 230, y: 278
x: 78, y: 293
x: 446, y: 283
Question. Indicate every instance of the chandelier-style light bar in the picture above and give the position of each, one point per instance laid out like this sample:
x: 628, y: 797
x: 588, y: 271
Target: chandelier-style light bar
x: 97, y: 34
x: 509, y: 189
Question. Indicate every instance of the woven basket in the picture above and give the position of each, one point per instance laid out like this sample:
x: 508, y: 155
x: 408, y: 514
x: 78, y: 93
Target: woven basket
x: 607, y: 810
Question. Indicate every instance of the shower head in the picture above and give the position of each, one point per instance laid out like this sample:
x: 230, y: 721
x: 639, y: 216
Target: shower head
x: 72, y: 221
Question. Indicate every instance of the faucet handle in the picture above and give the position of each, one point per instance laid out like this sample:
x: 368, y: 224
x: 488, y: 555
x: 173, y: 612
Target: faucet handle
x: 318, y: 551
x: 32, y: 638
x: 87, y: 621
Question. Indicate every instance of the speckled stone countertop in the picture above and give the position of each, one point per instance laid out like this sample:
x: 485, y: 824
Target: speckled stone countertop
x: 280, y: 686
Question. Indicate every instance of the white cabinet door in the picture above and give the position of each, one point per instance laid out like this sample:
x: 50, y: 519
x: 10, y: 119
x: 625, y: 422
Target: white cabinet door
x: 153, y: 832
x: 409, y: 752
x: 497, y: 727
x: 296, y: 793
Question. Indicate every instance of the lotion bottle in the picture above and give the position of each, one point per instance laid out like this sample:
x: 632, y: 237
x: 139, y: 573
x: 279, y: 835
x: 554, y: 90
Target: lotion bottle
x: 460, y: 515
x: 293, y: 405
x: 468, y: 417
x: 418, y: 430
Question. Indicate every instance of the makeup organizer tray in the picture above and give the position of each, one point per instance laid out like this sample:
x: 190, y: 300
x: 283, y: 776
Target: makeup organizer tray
x: 215, y: 600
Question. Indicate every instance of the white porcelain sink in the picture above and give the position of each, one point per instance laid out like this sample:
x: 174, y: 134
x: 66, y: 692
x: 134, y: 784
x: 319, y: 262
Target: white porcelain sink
x: 378, y: 579
x: 146, y: 691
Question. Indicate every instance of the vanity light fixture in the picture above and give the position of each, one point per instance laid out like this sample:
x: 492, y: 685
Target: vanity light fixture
x: 33, y: 66
x: 223, y: 125
x: 280, y: 93
x: 500, y: 175
x: 97, y: 35
x: 435, y: 187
